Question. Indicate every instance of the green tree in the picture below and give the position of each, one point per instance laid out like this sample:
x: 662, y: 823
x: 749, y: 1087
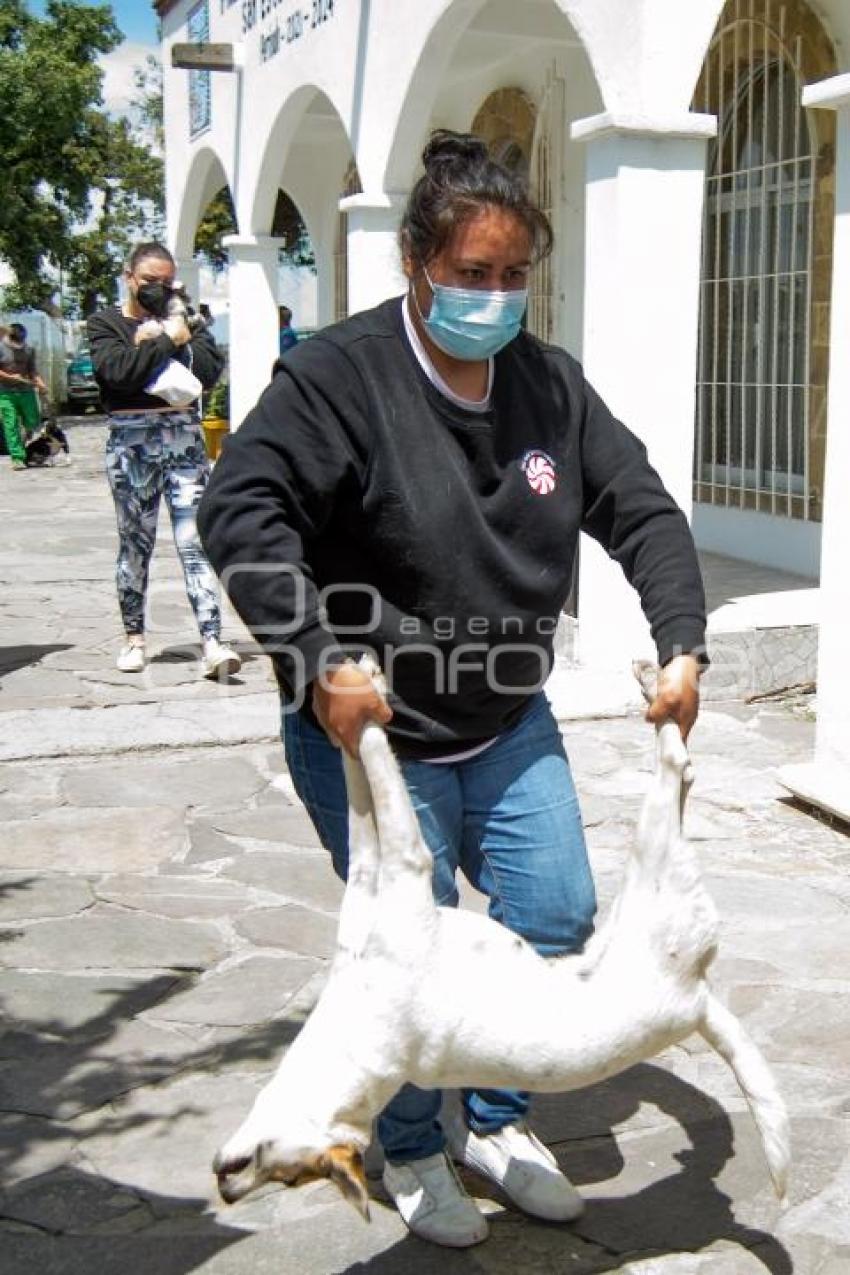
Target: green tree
x: 128, y: 178
x: 148, y: 104
x: 219, y: 219
x: 288, y: 225
x: 76, y: 184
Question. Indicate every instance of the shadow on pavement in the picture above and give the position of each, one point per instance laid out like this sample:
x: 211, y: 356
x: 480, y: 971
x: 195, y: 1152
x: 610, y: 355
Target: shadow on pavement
x: 13, y: 658
x: 684, y: 1212
x: 65, y: 1220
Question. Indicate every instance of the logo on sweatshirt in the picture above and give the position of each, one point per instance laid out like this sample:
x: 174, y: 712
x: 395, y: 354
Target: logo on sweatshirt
x: 539, y: 469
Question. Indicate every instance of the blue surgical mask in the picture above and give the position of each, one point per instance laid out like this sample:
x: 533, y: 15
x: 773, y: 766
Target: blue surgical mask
x: 472, y: 324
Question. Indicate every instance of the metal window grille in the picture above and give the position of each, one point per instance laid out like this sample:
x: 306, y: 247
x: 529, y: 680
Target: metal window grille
x: 540, y: 293
x: 752, y: 426
x: 544, y: 183
x: 350, y: 186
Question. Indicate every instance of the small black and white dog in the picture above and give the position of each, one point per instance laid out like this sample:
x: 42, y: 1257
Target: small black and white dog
x: 47, y: 445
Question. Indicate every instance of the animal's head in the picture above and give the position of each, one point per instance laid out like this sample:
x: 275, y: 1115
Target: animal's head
x: 248, y: 1161
x: 180, y: 306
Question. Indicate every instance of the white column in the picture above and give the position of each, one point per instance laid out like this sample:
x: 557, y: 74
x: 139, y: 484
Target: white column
x: 252, y: 281
x: 325, y: 249
x: 374, y: 260
x: 189, y: 274
x: 826, y: 780
x: 643, y: 219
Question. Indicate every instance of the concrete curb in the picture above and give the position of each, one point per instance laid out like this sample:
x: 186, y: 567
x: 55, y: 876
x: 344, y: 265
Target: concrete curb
x: 244, y: 719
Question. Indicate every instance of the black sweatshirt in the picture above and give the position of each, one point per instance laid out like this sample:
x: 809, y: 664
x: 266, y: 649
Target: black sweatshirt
x: 358, y: 508
x: 122, y: 369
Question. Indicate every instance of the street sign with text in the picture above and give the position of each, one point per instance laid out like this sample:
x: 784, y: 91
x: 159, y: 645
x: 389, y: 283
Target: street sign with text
x: 204, y: 57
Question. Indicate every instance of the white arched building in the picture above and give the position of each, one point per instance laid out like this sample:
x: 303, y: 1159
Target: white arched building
x: 694, y: 159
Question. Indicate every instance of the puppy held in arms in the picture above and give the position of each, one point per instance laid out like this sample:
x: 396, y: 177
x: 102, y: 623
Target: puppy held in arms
x: 178, y: 307
x: 449, y: 999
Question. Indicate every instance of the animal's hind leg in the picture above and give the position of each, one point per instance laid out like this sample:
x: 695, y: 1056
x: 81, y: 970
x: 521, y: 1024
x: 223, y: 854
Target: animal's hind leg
x: 403, y: 852
x: 361, y: 890
x: 723, y: 1031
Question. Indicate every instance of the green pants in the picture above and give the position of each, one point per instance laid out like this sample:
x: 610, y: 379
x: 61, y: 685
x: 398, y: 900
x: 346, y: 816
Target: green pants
x: 17, y: 406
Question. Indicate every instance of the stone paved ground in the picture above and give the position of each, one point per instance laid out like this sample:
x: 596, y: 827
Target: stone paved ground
x: 166, y: 919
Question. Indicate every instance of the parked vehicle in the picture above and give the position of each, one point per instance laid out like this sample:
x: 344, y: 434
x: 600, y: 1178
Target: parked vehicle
x: 83, y: 390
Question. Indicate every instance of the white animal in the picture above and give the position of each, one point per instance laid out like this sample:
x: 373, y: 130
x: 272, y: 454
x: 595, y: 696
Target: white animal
x: 178, y: 307
x: 448, y: 998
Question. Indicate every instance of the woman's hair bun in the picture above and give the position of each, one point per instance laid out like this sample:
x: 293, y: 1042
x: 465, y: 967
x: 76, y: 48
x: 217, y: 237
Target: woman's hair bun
x: 460, y: 178
x: 446, y: 147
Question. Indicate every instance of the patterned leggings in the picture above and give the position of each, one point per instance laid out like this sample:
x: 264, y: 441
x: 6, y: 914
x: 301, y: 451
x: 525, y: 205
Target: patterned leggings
x: 146, y: 457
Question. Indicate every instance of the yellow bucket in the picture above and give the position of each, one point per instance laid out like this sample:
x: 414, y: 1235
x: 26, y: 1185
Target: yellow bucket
x: 214, y: 432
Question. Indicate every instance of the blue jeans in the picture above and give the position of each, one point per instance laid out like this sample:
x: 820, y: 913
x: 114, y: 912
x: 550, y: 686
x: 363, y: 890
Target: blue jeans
x: 509, y: 819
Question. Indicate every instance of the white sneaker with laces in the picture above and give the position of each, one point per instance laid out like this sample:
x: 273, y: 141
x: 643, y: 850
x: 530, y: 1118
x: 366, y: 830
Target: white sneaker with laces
x: 430, y: 1198
x: 218, y: 660
x: 131, y: 658
x: 518, y: 1162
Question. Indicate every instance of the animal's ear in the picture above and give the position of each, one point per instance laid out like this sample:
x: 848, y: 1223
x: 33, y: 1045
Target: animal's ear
x: 344, y: 1165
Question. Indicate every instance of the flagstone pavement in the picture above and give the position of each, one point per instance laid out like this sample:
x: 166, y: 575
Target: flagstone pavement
x: 167, y: 917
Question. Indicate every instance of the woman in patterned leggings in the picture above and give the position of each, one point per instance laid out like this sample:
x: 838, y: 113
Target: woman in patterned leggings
x: 155, y: 449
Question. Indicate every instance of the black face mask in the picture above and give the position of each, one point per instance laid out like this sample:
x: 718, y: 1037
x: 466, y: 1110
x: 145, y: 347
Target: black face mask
x: 154, y: 297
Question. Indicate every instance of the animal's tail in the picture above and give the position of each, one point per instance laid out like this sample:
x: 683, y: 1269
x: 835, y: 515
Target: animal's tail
x: 723, y: 1031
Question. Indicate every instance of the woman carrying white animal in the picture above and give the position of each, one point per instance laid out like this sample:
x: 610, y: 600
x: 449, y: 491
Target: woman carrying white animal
x: 151, y: 369
x: 413, y: 482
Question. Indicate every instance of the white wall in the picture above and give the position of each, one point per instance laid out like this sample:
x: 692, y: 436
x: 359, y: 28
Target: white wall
x: 379, y: 74
x: 788, y: 544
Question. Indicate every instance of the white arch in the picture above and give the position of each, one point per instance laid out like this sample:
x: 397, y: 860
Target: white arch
x: 646, y: 54
x: 424, y: 82
x: 260, y: 190
x: 306, y: 154
x: 642, y: 59
x: 833, y: 15
x: 203, y: 181
x: 423, y: 86
x: 315, y: 191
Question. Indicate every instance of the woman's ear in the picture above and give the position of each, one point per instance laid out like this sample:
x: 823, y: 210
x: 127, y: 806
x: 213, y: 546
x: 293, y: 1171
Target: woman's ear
x: 407, y: 262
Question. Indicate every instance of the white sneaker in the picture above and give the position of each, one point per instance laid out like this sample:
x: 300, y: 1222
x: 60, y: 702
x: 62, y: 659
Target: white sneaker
x: 430, y: 1198
x: 219, y: 661
x: 131, y: 658
x: 519, y: 1163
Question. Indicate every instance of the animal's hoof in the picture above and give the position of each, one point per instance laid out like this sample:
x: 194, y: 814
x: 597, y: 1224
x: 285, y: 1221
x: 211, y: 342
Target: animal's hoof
x: 647, y: 675
x: 227, y: 1172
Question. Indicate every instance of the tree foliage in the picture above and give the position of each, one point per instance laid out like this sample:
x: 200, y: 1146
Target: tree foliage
x: 148, y: 104
x: 219, y: 219
x: 77, y: 185
x: 288, y: 225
